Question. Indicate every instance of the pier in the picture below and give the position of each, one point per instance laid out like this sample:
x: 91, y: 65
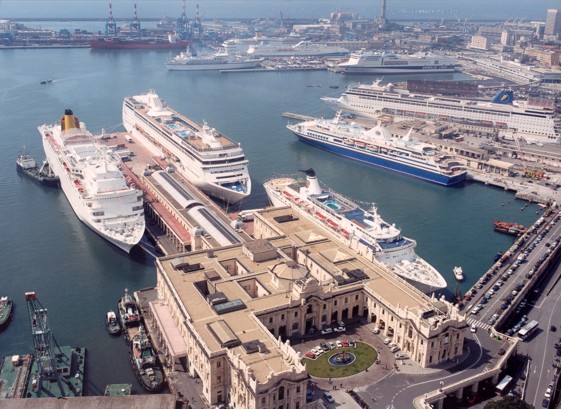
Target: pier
x: 298, y: 117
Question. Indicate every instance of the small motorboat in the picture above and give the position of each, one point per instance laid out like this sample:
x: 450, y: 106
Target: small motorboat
x: 112, y: 324
x: 458, y: 273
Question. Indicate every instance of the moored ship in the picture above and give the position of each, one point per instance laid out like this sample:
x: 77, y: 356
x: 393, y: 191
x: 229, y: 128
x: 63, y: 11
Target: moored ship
x: 145, y: 362
x: 369, y: 62
x: 377, y: 146
x: 27, y: 165
x: 208, y: 159
x: 91, y: 178
x: 509, y: 228
x: 6, y: 306
x: 301, y: 49
x: 157, y: 43
x: 128, y: 315
x: 350, y: 223
x: 512, y: 119
x: 186, y: 61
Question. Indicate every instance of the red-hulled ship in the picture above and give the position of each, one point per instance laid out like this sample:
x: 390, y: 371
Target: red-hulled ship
x: 144, y: 42
x: 509, y: 228
x: 141, y: 39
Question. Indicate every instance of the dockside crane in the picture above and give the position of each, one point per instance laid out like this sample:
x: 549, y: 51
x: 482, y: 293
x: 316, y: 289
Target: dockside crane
x: 43, y: 341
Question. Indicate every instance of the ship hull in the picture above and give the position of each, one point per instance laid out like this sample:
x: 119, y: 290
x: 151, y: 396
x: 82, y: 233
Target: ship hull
x: 380, y: 162
x: 213, y: 67
x: 35, y: 175
x: 190, y: 169
x: 397, y: 70
x: 73, y: 197
x: 277, y: 199
x: 145, y: 45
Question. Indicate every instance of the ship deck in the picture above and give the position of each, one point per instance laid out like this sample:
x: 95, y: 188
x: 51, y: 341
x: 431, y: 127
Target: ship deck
x: 183, y: 127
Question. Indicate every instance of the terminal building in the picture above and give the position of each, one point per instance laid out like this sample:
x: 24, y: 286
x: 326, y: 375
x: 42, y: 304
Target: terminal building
x: 228, y: 314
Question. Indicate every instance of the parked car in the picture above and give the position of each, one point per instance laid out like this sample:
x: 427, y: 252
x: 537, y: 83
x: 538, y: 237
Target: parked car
x: 376, y: 330
x: 387, y: 341
x: 395, y: 348
x: 327, y: 396
x: 326, y: 331
x: 339, y: 329
x: 339, y: 344
x: 401, y: 355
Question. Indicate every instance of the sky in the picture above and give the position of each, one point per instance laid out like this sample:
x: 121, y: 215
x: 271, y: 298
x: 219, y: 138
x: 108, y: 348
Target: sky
x: 398, y: 9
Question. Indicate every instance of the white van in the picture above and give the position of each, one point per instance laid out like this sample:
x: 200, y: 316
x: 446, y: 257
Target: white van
x: 128, y: 138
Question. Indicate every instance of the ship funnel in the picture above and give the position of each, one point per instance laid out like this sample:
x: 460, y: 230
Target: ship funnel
x: 312, y: 183
x: 69, y: 121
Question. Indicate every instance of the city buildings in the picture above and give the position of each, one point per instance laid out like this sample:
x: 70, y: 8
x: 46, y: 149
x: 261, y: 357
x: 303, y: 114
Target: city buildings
x: 235, y: 310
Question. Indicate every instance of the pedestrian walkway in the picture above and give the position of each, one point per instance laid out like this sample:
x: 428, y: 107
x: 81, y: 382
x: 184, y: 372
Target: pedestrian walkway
x: 478, y: 323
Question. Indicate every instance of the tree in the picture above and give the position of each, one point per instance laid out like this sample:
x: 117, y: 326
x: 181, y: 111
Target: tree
x: 508, y: 402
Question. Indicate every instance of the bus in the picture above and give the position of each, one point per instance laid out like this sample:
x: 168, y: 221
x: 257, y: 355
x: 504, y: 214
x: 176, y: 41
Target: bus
x: 503, y: 384
x: 528, y: 329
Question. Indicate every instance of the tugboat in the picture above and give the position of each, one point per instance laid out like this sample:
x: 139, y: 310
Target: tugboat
x: 6, y: 306
x: 458, y: 273
x: 145, y: 363
x: 509, y: 228
x: 26, y: 164
x: 112, y: 324
x: 129, y: 316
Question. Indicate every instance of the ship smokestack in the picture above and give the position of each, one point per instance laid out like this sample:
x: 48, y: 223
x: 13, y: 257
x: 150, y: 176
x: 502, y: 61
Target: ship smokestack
x: 312, y: 183
x: 69, y: 121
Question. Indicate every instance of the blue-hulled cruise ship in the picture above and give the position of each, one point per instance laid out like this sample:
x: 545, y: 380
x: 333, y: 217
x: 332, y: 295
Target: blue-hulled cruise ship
x: 364, y: 231
x: 378, y: 147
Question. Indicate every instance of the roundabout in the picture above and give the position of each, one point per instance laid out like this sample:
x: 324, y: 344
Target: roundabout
x: 342, y: 362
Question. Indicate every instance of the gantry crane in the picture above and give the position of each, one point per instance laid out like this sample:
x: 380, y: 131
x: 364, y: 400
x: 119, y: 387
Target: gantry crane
x: 43, y: 341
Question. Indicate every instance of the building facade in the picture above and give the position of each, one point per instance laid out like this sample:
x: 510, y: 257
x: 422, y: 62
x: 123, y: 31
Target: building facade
x: 238, y: 307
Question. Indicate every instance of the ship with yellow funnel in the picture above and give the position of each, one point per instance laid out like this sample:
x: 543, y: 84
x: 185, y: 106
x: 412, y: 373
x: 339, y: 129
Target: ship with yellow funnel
x: 92, y: 180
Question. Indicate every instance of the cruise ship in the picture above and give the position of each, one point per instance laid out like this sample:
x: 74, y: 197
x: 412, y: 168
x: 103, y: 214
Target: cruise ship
x: 378, y: 147
x: 91, y: 178
x: 302, y: 49
x: 365, y: 231
x: 512, y: 119
x: 208, y: 159
x: 185, y: 61
x: 369, y: 62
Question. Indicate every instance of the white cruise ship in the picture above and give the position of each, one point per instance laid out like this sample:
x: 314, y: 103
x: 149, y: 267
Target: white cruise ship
x: 185, y: 61
x: 93, y: 183
x: 364, y: 231
x: 378, y: 147
x: 208, y: 159
x: 512, y: 119
x: 369, y: 62
x: 302, y: 49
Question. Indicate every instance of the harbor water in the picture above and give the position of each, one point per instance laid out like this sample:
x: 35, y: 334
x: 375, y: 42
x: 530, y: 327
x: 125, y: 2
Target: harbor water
x: 78, y: 276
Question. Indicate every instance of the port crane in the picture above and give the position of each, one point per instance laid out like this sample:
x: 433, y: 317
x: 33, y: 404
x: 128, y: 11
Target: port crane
x: 43, y: 340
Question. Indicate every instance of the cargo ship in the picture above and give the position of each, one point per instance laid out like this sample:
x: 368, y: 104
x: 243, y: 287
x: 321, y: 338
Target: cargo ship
x: 509, y: 228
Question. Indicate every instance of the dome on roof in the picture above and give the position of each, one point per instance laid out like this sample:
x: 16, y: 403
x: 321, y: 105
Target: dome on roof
x: 290, y: 270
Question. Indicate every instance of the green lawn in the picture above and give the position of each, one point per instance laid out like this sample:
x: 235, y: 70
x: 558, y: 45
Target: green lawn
x: 321, y: 368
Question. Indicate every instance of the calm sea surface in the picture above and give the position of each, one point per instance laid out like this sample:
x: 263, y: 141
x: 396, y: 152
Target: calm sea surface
x: 78, y: 276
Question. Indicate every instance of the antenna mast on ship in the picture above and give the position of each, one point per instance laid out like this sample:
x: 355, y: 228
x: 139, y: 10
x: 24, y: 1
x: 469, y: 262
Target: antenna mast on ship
x: 110, y: 25
x: 135, y: 23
